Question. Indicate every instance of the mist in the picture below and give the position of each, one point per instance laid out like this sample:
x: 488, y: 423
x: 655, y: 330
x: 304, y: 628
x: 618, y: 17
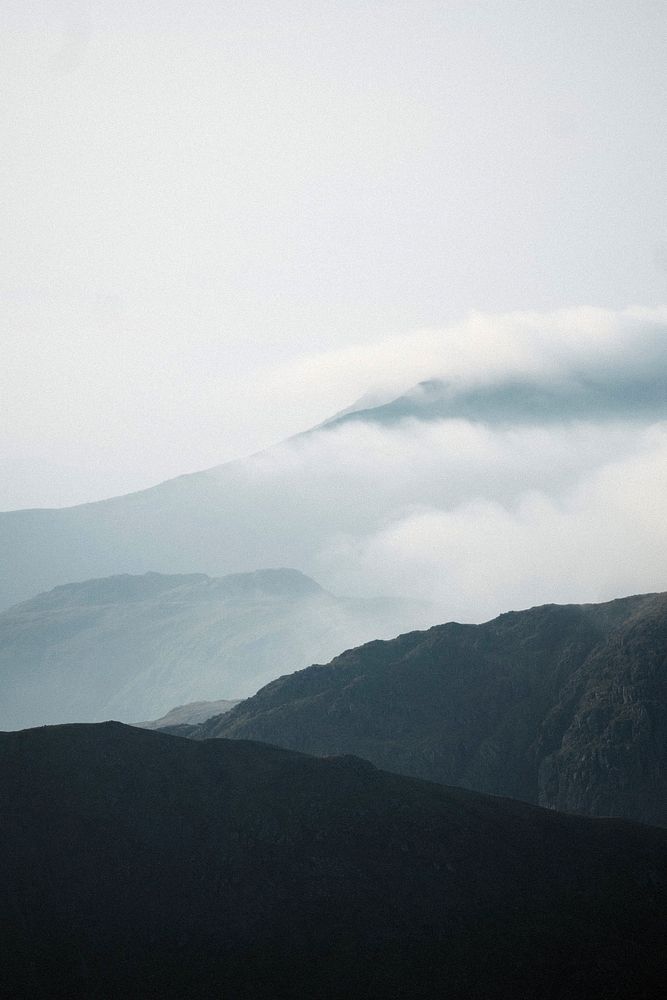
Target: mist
x: 529, y: 467
x: 219, y: 220
x: 559, y: 497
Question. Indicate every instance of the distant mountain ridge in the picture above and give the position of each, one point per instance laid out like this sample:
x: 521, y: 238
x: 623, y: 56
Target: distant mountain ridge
x: 133, y: 647
x: 279, y: 507
x: 128, y: 588
x: 192, y: 714
x: 136, y: 865
x: 563, y: 706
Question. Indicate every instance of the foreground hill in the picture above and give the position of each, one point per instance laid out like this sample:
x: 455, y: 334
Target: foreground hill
x: 132, y: 647
x: 561, y: 706
x: 134, y: 864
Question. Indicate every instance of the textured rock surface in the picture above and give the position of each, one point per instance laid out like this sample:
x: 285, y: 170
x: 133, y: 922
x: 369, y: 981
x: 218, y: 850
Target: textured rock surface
x: 565, y: 706
x: 612, y: 756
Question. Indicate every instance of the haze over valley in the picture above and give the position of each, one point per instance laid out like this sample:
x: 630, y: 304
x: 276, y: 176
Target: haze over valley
x: 133, y: 647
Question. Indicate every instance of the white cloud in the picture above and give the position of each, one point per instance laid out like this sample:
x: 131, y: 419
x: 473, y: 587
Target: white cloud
x: 602, y: 537
x: 479, y: 517
x: 483, y: 349
x: 476, y: 515
x: 126, y: 416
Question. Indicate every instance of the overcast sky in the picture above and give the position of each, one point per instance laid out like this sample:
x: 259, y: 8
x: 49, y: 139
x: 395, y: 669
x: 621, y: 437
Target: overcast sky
x: 224, y: 221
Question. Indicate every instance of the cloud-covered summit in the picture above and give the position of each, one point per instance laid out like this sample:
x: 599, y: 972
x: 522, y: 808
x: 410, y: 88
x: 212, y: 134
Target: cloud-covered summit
x: 577, y: 364
x: 516, y: 458
x: 601, y: 397
x: 513, y: 460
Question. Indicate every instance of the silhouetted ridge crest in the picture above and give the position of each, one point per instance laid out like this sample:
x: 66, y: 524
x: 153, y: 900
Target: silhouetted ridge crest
x: 561, y: 705
x: 134, y: 864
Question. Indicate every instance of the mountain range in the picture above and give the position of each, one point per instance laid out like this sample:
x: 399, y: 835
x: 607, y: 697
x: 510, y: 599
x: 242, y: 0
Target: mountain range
x: 292, y: 504
x: 562, y: 706
x: 135, y: 864
x: 192, y: 714
x: 131, y: 647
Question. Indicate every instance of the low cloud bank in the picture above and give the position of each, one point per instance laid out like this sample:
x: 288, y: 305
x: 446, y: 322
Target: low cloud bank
x: 480, y: 515
x: 604, y: 537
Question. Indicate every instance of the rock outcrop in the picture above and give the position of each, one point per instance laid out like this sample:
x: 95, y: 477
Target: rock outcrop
x: 563, y: 706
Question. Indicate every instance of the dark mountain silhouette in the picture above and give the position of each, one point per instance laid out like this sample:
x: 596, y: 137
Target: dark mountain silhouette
x: 139, y: 865
x: 564, y: 706
x: 281, y: 507
x: 132, y: 647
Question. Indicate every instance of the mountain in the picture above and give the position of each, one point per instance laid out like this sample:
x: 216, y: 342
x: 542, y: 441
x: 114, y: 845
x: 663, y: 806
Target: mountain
x: 132, y: 647
x: 136, y: 865
x: 192, y: 714
x: 564, y: 706
x: 519, y: 401
x: 295, y: 503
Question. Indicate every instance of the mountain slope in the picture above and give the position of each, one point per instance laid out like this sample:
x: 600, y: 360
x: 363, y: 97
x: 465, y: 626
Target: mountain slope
x: 289, y: 504
x: 519, y: 401
x: 134, y: 864
x: 132, y: 647
x: 192, y: 714
x: 565, y: 706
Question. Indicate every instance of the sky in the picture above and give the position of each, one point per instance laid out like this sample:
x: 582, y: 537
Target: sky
x: 224, y: 222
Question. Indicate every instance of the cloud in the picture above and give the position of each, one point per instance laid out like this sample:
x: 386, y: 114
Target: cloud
x: 363, y: 471
x: 470, y: 511
x: 603, y: 537
x: 479, y: 513
x: 140, y: 416
x: 543, y: 348
x: 77, y: 29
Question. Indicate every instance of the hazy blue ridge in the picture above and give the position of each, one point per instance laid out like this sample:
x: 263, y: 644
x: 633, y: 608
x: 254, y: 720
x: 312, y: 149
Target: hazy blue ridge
x: 133, y: 647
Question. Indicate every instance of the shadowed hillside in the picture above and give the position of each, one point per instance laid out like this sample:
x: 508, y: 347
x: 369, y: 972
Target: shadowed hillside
x: 561, y: 706
x: 134, y: 864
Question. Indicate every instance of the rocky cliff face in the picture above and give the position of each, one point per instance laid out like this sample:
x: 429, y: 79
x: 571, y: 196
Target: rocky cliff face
x: 561, y: 706
x: 611, y: 727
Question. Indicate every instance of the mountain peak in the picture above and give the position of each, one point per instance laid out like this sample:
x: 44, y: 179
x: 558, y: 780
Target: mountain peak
x: 129, y: 588
x: 560, y: 705
x: 133, y: 647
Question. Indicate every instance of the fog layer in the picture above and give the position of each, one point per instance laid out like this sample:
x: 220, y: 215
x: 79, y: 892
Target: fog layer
x: 530, y: 467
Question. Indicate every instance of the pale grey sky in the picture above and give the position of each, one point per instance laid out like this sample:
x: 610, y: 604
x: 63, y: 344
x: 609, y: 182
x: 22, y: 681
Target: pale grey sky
x: 217, y: 216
